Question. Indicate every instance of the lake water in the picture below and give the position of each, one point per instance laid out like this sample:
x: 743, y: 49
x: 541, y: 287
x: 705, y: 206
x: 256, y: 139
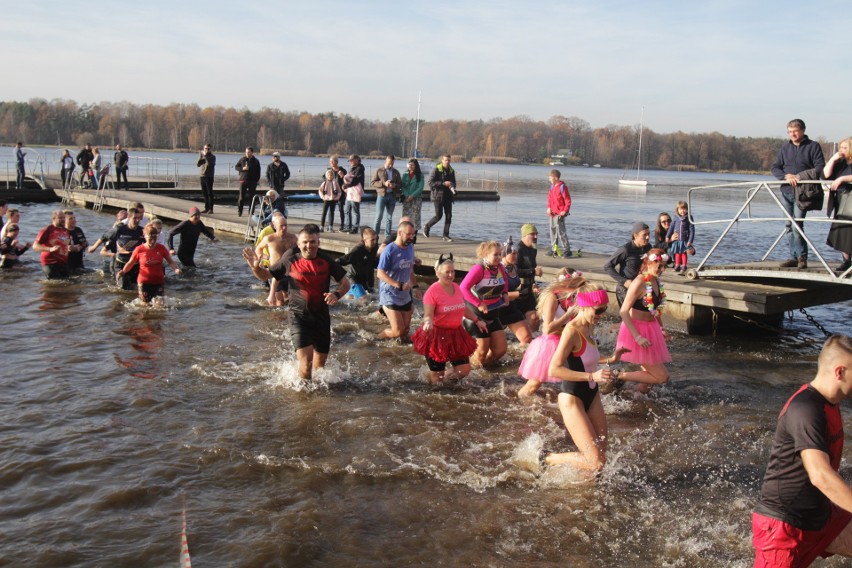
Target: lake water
x: 116, y: 418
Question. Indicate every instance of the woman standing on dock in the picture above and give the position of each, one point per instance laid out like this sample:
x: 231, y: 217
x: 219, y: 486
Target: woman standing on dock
x: 839, y: 169
x: 96, y: 168
x: 412, y: 192
x: 641, y: 330
x: 67, y: 165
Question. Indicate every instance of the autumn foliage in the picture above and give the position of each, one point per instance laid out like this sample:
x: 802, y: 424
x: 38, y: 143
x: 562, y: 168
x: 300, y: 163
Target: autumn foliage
x: 181, y: 126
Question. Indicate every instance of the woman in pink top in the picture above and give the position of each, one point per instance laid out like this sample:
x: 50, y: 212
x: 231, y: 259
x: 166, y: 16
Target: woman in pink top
x: 486, y: 289
x: 442, y: 338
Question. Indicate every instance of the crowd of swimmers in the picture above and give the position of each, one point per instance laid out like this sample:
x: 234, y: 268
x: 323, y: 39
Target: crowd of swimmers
x: 135, y: 250
x: 465, y: 323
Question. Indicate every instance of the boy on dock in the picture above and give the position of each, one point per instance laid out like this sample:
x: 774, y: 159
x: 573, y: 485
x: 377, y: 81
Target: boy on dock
x: 558, y: 207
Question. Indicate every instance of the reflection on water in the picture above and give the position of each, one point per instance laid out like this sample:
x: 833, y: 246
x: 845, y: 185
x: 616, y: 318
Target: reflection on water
x: 114, y: 416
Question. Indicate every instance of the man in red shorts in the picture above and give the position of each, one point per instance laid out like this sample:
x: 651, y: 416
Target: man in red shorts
x: 804, y: 506
x: 310, y: 271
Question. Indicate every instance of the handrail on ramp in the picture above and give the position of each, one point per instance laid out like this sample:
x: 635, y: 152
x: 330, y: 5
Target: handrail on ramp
x: 745, y: 215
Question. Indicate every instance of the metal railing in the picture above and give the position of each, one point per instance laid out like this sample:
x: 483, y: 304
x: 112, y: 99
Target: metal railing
x: 310, y: 176
x: 34, y: 168
x: 745, y: 215
x: 256, y: 213
x: 154, y: 170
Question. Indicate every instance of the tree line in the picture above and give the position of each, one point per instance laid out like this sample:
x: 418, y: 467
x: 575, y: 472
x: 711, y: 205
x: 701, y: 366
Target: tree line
x: 188, y: 126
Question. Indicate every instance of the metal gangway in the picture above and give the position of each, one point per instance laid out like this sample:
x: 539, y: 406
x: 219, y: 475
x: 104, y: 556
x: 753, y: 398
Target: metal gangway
x: 105, y: 184
x: 257, y: 211
x: 747, y: 214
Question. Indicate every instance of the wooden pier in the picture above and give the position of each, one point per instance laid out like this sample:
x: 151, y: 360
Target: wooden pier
x: 694, y: 305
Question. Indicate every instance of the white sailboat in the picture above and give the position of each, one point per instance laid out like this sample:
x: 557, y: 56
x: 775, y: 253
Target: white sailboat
x: 637, y: 183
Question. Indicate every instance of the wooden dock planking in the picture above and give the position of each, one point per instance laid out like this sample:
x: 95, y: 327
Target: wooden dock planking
x: 691, y: 302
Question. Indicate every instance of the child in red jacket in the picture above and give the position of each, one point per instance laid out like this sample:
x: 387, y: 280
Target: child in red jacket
x: 558, y: 207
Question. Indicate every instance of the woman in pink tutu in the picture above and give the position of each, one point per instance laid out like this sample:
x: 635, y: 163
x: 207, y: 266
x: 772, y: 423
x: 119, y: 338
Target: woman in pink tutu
x: 641, y: 330
x: 442, y: 338
x: 576, y: 363
x: 553, y: 309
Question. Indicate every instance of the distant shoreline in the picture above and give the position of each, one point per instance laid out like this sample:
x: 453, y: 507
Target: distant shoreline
x: 483, y: 160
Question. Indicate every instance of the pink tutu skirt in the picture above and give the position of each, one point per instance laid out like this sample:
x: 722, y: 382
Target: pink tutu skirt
x: 537, y: 358
x: 654, y: 354
x: 444, y: 344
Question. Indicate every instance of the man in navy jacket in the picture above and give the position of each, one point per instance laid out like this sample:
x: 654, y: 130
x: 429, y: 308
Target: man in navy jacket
x: 798, y: 154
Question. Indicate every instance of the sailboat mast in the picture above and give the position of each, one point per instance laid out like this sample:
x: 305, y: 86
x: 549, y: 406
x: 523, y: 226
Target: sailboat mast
x: 639, y: 156
x: 417, y: 124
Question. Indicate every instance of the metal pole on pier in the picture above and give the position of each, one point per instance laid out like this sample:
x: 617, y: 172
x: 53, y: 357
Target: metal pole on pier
x: 417, y: 125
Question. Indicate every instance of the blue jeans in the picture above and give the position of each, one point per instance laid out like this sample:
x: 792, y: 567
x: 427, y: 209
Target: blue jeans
x: 353, y: 208
x: 20, y: 178
x: 384, y: 203
x: 798, y: 246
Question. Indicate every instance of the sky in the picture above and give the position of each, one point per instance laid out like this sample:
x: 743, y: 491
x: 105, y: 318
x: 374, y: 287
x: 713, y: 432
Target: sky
x: 742, y: 68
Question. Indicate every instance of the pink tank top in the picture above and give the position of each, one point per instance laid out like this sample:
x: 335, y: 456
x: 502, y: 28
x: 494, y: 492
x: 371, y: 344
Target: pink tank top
x: 589, y: 355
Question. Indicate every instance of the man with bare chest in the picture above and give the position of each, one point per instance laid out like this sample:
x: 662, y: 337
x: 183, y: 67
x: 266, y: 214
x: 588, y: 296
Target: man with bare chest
x: 274, y: 246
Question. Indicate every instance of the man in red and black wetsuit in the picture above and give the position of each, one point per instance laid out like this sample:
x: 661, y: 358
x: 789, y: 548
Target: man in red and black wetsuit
x: 52, y: 242
x: 805, y: 506
x: 310, y: 271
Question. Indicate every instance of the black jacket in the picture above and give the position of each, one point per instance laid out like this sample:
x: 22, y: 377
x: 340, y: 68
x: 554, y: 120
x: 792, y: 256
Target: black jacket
x: 253, y: 174
x: 276, y: 176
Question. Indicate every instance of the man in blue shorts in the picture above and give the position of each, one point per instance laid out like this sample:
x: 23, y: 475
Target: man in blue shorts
x: 310, y: 271
x: 804, y: 506
x: 397, y: 282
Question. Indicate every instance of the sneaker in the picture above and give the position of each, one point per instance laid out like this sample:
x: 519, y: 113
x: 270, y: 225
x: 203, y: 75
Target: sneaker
x: 844, y: 267
x: 803, y: 262
x: 792, y: 263
x: 550, y: 253
x: 448, y: 239
x: 567, y: 254
x: 677, y: 268
x: 426, y: 231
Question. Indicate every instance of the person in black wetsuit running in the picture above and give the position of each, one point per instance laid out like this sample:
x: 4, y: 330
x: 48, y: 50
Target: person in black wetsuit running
x: 189, y: 232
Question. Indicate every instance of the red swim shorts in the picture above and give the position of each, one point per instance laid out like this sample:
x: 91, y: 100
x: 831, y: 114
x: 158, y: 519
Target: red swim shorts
x: 778, y: 544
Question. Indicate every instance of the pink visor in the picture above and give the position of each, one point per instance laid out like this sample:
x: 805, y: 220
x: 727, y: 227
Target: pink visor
x: 591, y: 299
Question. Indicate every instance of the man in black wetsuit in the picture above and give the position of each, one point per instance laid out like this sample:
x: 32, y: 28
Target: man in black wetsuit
x: 123, y: 239
x: 310, y: 271
x: 189, y: 232
x: 528, y: 269
x: 624, y: 266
